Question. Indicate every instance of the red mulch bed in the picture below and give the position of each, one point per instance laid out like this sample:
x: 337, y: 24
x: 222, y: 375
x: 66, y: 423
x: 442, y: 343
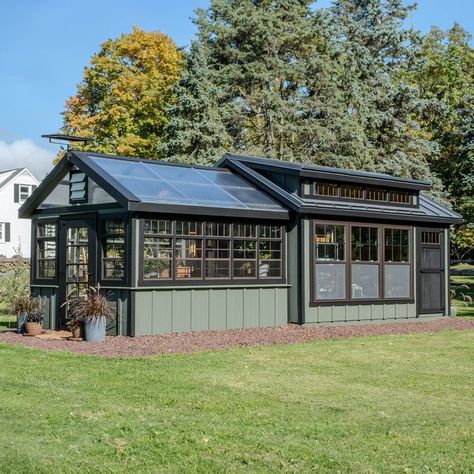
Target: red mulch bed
x: 120, y: 346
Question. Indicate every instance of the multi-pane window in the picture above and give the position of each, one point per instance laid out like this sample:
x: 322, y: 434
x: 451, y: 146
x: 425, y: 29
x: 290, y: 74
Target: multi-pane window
x: 211, y: 250
x: 113, y: 241
x: 157, y: 249
x: 431, y: 238
x: 2, y: 232
x: 365, y: 273
x: 400, y: 197
x: 397, y: 263
x: 374, y: 194
x: 46, y: 250
x: 330, y: 251
x: 24, y: 191
x: 350, y: 191
x: 375, y: 253
x: 326, y: 189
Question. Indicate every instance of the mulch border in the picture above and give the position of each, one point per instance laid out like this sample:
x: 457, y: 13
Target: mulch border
x: 198, y: 341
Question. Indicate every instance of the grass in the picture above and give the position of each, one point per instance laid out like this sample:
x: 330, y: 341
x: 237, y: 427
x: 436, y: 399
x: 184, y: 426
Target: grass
x: 463, y: 310
x: 374, y: 405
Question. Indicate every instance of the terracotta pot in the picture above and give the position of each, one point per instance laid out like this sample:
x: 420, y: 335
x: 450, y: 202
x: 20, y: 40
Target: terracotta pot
x: 33, y: 329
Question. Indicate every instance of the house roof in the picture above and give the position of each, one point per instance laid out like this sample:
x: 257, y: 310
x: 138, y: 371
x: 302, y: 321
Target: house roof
x: 150, y: 185
x: 428, y: 211
x: 8, y: 175
x: 326, y: 172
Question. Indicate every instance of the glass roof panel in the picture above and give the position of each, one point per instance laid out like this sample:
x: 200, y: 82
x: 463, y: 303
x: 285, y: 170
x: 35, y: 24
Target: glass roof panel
x: 169, y: 184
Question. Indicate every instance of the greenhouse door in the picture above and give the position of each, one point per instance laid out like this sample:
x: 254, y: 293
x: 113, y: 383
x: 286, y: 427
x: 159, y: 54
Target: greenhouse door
x: 77, y: 261
x: 431, y: 265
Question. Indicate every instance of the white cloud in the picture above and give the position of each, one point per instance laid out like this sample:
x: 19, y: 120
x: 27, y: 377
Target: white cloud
x: 26, y: 154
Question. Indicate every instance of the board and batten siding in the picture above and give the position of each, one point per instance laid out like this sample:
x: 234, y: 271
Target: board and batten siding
x: 353, y: 312
x: 50, y: 296
x: 161, y: 311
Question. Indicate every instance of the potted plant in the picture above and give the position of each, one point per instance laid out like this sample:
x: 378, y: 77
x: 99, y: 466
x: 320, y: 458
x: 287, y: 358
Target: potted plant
x: 465, y: 299
x: 34, y: 323
x: 264, y: 266
x: 28, y: 309
x: 94, y: 310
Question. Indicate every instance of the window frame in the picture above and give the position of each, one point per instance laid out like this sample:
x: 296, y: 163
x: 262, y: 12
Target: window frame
x: 212, y: 281
x: 30, y: 191
x: 36, y: 279
x: 102, y: 243
x: 2, y: 232
x: 349, y: 300
x: 389, y: 191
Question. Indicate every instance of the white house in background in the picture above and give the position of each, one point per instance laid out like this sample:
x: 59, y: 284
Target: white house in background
x: 16, y: 187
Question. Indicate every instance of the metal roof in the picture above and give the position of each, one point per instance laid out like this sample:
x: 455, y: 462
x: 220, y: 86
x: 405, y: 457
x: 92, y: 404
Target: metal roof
x: 428, y: 210
x: 156, y: 186
x: 327, y: 173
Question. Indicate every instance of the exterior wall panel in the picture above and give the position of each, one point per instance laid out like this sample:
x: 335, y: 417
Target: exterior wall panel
x: 160, y: 311
x: 50, y: 295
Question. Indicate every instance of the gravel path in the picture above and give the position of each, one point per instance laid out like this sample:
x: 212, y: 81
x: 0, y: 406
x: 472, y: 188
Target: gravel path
x: 120, y: 346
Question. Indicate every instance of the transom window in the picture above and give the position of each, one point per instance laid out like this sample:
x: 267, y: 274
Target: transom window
x: 180, y: 250
x: 46, y: 250
x: 349, y: 191
x: 370, y: 272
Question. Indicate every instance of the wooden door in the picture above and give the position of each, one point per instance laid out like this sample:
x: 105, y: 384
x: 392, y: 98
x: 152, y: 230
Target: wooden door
x: 431, y: 266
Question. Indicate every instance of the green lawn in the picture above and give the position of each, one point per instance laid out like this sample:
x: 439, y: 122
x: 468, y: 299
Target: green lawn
x: 379, y: 404
x: 464, y: 310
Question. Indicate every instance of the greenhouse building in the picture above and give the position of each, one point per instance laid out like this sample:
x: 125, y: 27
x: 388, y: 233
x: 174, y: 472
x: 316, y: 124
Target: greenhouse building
x: 250, y: 242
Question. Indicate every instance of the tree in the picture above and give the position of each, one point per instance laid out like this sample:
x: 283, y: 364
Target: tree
x: 462, y: 241
x: 257, y: 65
x: 123, y: 97
x: 196, y: 132
x: 445, y: 77
x: 375, y: 50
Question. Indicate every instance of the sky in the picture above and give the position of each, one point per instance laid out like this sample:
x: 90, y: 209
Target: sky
x: 46, y: 44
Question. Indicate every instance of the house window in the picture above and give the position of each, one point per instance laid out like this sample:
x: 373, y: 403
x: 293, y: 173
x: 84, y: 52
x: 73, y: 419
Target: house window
x: 24, y: 192
x: 352, y: 192
x: 157, y: 249
x: 2, y: 232
x: 330, y: 261
x: 365, y: 272
x: 113, y: 245
x: 431, y: 238
x: 397, y: 268
x: 377, y: 253
x: 181, y: 250
x: 400, y: 197
x: 376, y: 194
x: 326, y: 189
x: 46, y: 250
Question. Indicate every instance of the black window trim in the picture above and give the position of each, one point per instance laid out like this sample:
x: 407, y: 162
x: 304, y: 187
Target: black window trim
x: 35, y: 278
x: 348, y: 300
x: 173, y: 281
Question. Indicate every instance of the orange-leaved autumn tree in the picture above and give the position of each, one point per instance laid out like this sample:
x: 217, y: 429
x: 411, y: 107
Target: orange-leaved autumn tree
x: 123, y: 97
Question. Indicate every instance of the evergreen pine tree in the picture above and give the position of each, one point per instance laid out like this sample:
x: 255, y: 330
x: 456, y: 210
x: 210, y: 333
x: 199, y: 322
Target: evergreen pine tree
x: 196, y: 133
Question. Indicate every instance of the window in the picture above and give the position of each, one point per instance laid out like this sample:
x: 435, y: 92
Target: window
x: 349, y: 191
x: 46, y: 250
x: 352, y: 192
x: 329, y: 251
x: 77, y: 187
x: 157, y: 249
x: 397, y: 263
x: 377, y: 253
x: 400, y: 197
x: 2, y: 232
x: 430, y: 238
x: 365, y: 275
x: 211, y: 250
x: 24, y: 192
x: 376, y: 194
x: 113, y: 242
x: 326, y: 189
